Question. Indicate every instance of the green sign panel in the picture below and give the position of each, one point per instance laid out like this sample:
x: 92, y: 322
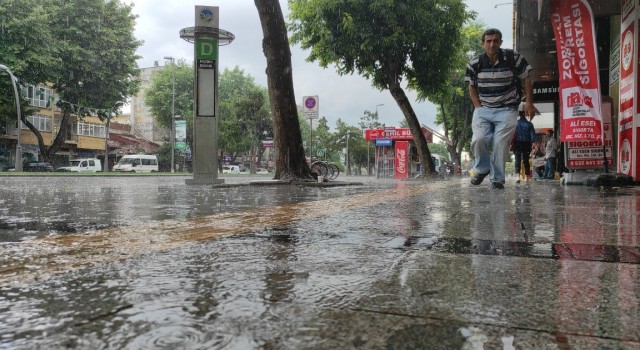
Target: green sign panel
x: 206, y: 49
x: 181, y: 135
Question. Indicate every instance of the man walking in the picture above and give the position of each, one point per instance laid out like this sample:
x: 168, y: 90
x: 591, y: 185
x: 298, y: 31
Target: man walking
x: 523, y: 138
x: 550, y: 153
x: 494, y: 86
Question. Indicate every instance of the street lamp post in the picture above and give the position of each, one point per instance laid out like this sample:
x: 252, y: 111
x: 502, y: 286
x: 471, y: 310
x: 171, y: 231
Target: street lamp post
x: 348, y: 163
x: 368, y: 156
x: 105, y: 167
x: 173, y: 111
x: 18, y: 162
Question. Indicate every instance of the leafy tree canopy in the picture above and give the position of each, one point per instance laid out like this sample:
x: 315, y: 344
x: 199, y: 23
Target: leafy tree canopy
x: 85, y: 49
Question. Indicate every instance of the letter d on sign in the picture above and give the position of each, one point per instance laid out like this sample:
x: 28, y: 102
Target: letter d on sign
x: 206, y: 49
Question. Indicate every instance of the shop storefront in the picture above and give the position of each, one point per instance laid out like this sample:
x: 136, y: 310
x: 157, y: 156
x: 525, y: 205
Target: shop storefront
x: 534, y: 38
x: 395, y: 152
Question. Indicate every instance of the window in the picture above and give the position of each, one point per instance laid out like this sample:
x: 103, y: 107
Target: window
x: 41, y: 122
x: 148, y: 161
x: 89, y: 129
x: 38, y: 95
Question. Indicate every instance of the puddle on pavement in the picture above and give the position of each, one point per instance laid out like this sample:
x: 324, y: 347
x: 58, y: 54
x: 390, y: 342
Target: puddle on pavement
x: 58, y: 253
x: 31, y: 212
x: 255, y: 277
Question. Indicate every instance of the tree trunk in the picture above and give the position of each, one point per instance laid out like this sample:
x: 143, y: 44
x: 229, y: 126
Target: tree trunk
x: 62, y: 133
x: 416, y: 130
x: 287, y: 138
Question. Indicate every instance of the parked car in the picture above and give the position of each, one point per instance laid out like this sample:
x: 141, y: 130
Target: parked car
x: 262, y: 171
x: 231, y: 169
x: 137, y: 163
x: 38, y: 166
x: 84, y: 165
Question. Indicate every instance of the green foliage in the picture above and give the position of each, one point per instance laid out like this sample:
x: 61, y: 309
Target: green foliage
x: 27, y: 44
x: 244, y: 112
x: 370, y: 120
x: 158, y: 96
x: 380, y: 39
x: 84, y: 48
x: 452, y: 100
x: 95, y: 59
x: 439, y: 148
x: 243, y: 109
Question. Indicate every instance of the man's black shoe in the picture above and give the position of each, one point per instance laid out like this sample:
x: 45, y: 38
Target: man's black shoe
x: 477, y: 178
x: 497, y: 185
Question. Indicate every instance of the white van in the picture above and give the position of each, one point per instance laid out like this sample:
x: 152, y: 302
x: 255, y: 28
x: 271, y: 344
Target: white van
x: 231, y: 169
x: 88, y: 165
x: 439, y: 162
x: 137, y: 163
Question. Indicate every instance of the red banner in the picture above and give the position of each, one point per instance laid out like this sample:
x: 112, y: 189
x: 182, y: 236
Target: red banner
x: 395, y: 134
x: 626, y: 157
x: 580, y: 114
x: 402, y: 160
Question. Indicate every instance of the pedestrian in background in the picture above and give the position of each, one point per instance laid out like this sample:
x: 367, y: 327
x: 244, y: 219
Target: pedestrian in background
x: 550, y: 153
x: 496, y: 78
x: 538, y: 160
x: 523, y: 138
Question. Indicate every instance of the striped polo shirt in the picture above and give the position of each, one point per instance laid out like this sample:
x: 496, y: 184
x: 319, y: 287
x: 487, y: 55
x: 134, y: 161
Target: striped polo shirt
x: 495, y: 83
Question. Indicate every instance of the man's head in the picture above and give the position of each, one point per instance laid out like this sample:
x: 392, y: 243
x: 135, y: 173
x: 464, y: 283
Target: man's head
x: 550, y: 133
x: 491, y: 41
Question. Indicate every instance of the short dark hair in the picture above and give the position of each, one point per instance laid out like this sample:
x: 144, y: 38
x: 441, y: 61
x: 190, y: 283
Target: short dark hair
x: 492, y: 31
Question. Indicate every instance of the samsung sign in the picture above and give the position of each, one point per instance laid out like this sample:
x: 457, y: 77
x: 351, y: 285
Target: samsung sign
x: 384, y: 142
x: 545, y: 91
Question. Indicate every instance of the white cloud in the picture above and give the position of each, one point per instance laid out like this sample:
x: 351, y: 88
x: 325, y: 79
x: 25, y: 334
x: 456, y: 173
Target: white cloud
x: 341, y: 97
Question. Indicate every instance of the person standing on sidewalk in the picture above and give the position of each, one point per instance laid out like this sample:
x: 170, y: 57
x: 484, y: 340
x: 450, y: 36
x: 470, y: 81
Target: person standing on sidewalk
x: 550, y: 153
x: 495, y: 78
x: 523, y: 138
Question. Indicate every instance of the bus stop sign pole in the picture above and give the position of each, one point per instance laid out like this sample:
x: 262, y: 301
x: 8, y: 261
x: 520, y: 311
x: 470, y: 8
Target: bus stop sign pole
x: 206, y: 37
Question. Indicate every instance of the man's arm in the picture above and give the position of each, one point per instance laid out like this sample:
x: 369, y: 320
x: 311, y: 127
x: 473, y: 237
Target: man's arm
x: 529, y: 108
x: 475, y: 96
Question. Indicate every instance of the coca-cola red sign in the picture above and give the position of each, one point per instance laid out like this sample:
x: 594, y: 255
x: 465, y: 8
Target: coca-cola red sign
x: 402, y: 163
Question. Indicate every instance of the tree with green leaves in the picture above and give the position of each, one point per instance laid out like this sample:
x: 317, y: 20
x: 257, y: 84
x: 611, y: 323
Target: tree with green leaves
x: 158, y: 97
x: 386, y: 42
x: 454, y: 105
x: 243, y: 106
x: 244, y: 112
x: 290, y: 158
x: 370, y: 120
x: 88, y: 56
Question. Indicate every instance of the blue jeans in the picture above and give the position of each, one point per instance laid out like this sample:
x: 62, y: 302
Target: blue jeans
x: 492, y: 132
x: 550, y: 168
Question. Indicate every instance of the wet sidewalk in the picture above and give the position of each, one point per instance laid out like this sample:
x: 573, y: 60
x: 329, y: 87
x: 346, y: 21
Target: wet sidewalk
x: 150, y: 263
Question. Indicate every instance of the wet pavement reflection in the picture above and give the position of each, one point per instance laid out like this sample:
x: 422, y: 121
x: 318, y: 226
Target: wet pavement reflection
x: 154, y: 264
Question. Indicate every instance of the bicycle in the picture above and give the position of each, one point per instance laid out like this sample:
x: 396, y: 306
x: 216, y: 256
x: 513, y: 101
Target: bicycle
x: 323, y: 168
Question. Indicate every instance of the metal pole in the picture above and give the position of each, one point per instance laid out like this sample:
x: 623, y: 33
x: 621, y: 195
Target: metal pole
x: 18, y: 162
x: 310, y: 138
x: 105, y: 167
x: 173, y: 112
x: 368, y: 157
x: 348, y: 163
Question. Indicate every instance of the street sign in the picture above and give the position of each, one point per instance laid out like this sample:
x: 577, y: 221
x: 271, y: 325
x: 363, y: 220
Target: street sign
x: 206, y: 48
x: 181, y: 135
x: 320, y: 152
x: 310, y: 106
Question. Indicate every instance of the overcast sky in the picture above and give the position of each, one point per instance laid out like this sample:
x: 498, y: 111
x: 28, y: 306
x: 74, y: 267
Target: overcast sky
x: 340, y: 97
